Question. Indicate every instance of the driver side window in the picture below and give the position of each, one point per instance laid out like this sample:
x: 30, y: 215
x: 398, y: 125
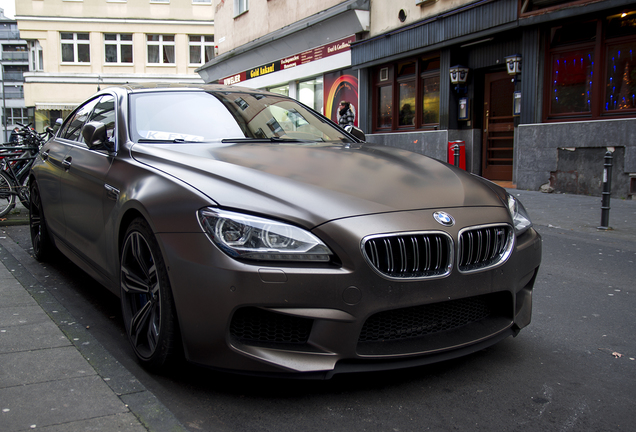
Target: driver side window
x: 73, y: 126
x: 104, y: 112
x: 99, y: 109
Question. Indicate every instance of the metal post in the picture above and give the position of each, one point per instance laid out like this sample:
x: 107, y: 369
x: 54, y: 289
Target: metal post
x: 456, y: 155
x: 607, y: 191
x: 4, y: 105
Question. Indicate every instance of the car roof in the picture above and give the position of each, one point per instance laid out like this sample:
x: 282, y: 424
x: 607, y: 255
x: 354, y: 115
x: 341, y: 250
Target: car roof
x: 154, y: 86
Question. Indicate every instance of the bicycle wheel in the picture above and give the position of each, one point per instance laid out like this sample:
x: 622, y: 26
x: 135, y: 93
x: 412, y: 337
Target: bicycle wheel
x: 7, y: 194
x: 25, y: 193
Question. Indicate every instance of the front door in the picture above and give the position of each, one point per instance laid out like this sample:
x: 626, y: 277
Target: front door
x: 499, y: 127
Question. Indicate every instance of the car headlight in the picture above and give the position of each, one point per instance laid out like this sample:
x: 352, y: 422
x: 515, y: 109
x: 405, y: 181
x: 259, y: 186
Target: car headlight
x: 254, y: 238
x: 519, y: 215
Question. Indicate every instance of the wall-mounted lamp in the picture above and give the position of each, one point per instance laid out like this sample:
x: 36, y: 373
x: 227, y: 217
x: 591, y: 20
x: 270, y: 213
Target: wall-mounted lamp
x: 513, y: 64
x: 459, y: 76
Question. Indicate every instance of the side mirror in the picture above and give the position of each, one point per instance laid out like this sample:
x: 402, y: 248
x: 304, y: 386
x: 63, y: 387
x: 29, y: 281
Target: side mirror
x: 356, y: 132
x: 57, y: 125
x: 94, y: 134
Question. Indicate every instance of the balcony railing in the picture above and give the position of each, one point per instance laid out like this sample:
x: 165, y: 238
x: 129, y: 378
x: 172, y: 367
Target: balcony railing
x: 14, y: 76
x: 11, y: 92
x: 9, y: 34
x: 22, y: 56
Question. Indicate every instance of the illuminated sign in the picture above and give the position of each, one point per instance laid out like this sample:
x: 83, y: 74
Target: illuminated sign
x: 309, y: 56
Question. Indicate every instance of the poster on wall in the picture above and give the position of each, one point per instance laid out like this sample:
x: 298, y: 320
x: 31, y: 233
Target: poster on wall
x: 341, y: 86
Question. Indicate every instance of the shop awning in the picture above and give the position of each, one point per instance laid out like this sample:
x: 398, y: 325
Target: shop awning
x: 55, y: 106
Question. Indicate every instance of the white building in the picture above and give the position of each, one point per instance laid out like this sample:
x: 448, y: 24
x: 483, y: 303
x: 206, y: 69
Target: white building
x: 15, y: 61
x: 79, y: 46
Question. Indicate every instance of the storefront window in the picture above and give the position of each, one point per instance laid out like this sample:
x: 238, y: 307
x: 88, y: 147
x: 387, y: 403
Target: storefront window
x: 281, y: 90
x: 571, y: 84
x: 310, y: 93
x: 430, y: 100
x: 591, y: 68
x: 385, y: 107
x: 410, y: 89
x: 620, y: 80
x: 407, y: 104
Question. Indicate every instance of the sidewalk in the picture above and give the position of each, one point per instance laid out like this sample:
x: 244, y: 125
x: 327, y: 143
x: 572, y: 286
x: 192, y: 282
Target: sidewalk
x: 579, y: 213
x: 54, y: 376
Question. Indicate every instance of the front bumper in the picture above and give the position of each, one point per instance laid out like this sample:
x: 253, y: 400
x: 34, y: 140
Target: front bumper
x: 316, y: 321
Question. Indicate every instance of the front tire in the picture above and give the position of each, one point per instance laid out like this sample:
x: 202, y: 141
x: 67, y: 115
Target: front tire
x: 40, y: 239
x: 146, y: 298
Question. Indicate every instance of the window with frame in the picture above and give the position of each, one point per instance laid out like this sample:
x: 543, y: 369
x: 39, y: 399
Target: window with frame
x: 16, y: 115
x: 240, y: 7
x: 37, y: 56
x: 161, y: 49
x: 75, y: 47
x: 592, y: 69
x: 406, y: 95
x: 310, y: 93
x: 201, y: 49
x: 118, y: 48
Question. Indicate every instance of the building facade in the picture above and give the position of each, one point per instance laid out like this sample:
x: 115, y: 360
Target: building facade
x: 550, y: 121
x: 549, y: 118
x: 78, y: 46
x: 300, y: 49
x: 15, y: 61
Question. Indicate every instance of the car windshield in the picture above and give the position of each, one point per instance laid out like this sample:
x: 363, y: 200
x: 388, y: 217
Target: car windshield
x: 196, y: 116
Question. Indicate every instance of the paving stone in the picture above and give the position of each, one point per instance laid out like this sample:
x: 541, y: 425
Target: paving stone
x: 24, y: 368
x: 56, y: 403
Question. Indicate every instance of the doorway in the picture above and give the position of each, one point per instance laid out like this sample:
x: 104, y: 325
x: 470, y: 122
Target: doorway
x: 499, y: 127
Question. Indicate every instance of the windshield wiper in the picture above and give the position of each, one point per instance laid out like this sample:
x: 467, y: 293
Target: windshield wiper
x: 273, y: 139
x: 153, y: 140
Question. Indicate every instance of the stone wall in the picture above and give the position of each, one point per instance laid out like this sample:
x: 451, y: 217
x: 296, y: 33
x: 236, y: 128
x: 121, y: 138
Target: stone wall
x: 569, y: 155
x: 435, y: 144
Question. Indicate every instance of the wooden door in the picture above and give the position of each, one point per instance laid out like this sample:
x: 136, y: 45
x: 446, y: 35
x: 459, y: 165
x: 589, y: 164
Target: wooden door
x: 499, y: 127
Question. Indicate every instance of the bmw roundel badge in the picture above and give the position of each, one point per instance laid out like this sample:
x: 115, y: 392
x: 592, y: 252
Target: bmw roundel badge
x: 444, y: 218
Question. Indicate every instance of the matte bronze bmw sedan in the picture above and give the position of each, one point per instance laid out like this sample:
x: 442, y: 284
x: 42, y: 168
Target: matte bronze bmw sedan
x: 248, y: 233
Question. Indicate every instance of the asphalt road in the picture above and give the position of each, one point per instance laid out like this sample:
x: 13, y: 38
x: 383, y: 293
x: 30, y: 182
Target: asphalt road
x: 572, y: 369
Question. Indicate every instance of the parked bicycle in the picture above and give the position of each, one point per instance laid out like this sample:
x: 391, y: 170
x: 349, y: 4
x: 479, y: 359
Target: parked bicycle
x: 16, y: 159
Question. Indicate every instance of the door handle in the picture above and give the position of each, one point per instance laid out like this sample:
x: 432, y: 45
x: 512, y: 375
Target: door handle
x: 66, y: 163
x: 487, y: 117
x: 45, y: 155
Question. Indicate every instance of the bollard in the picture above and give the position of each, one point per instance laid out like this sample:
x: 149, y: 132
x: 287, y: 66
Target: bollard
x: 607, y: 190
x: 456, y: 155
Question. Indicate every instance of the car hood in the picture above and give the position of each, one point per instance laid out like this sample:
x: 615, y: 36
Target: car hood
x: 313, y: 184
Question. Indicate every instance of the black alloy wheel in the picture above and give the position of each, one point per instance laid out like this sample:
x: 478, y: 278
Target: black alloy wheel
x: 146, y: 298
x: 40, y: 240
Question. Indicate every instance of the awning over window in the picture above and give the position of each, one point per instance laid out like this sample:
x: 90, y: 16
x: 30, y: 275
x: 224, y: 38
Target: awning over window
x: 54, y: 106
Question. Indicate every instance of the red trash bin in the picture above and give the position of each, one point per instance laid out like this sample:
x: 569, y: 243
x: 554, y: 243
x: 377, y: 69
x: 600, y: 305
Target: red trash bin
x: 462, y: 153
